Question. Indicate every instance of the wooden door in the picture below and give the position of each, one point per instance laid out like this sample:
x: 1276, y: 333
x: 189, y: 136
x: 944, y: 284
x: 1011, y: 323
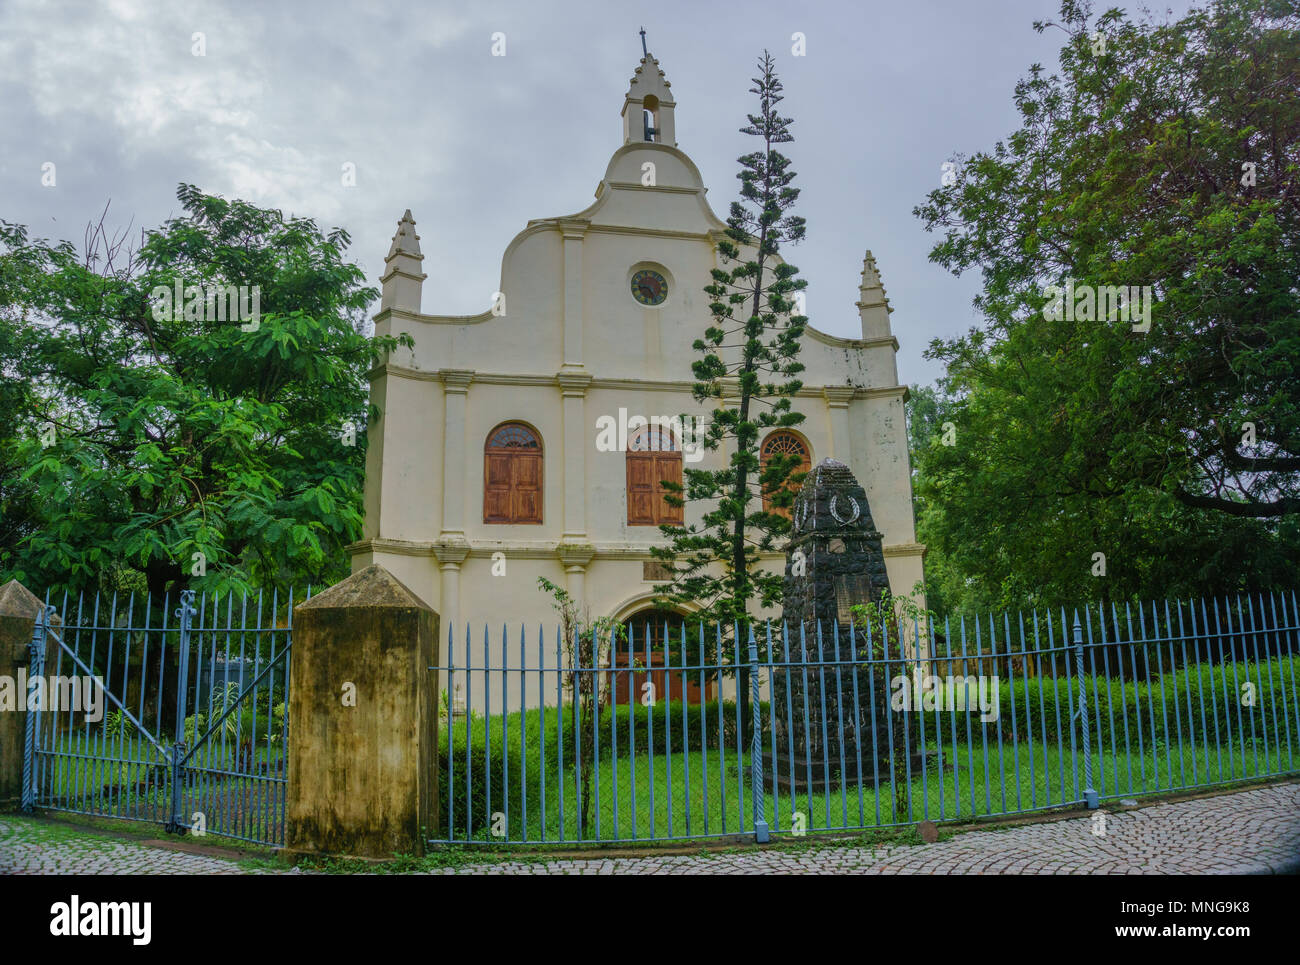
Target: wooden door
x: 512, y: 475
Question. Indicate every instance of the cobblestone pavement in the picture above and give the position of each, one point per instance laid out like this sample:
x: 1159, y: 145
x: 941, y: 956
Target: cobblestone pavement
x: 1250, y: 832
x: 35, y: 847
x: 1255, y: 831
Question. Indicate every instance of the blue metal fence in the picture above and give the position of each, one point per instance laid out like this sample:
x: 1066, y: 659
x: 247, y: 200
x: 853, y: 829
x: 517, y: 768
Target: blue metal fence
x: 681, y: 732
x: 547, y: 740
x: 192, y: 726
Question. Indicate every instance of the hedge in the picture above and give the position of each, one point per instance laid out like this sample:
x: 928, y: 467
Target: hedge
x: 1166, y: 710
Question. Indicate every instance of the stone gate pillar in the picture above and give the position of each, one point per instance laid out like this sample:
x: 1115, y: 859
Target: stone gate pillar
x: 19, y: 608
x: 363, y: 721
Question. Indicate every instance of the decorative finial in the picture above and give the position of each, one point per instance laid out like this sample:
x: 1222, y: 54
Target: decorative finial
x: 870, y: 273
x: 644, y: 52
x: 406, y: 240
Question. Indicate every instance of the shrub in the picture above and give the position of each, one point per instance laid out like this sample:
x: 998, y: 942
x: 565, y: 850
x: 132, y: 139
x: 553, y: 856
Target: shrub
x: 1166, y: 709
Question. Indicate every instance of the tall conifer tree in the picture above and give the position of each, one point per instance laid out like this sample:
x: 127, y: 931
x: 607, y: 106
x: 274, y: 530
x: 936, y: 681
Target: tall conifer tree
x: 749, y: 368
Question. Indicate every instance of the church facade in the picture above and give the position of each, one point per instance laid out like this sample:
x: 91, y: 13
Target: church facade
x: 529, y: 440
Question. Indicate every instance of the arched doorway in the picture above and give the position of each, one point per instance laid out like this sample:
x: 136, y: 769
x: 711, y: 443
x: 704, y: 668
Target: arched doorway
x: 653, y: 660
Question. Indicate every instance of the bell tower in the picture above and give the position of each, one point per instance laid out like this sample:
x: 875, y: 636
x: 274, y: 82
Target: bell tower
x: 648, y: 106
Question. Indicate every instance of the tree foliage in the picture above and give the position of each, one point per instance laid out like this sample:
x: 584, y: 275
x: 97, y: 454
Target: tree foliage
x: 1163, y: 155
x: 748, y: 366
x: 133, y: 439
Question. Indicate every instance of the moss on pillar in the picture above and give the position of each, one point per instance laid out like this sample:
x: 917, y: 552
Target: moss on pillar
x: 363, y: 720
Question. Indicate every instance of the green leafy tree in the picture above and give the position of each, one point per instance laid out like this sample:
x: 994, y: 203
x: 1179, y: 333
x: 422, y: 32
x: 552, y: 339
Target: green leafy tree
x: 749, y: 353
x: 928, y: 424
x: 18, y: 504
x: 182, y: 433
x: 1161, y: 155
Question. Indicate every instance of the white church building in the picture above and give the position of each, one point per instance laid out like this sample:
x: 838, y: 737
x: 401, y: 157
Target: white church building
x: 484, y: 470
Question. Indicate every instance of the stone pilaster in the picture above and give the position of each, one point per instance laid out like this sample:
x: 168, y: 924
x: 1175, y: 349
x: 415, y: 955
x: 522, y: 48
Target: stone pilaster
x: 576, y: 557
x: 837, y: 399
x: 455, y: 387
x: 573, y: 383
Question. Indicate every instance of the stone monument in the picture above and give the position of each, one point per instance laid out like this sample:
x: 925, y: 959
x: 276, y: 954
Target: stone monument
x: 835, y: 707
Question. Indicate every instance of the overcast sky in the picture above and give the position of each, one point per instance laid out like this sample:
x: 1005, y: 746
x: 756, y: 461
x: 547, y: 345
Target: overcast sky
x: 476, y: 145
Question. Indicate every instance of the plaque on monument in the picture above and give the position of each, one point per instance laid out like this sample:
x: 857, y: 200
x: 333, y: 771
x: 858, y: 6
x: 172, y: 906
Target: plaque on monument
x: 851, y: 589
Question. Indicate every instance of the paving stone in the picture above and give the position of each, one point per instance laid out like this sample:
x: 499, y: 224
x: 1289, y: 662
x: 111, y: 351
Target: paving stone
x: 1247, y: 832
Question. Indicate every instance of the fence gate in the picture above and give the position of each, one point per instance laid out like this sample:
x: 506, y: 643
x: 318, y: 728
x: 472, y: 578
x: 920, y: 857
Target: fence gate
x: 176, y: 717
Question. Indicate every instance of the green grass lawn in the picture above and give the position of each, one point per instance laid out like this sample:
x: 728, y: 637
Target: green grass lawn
x: 128, y: 778
x: 1178, y: 731
x: 697, y: 794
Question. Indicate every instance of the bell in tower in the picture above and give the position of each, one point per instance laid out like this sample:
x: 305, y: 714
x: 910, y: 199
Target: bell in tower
x: 648, y: 117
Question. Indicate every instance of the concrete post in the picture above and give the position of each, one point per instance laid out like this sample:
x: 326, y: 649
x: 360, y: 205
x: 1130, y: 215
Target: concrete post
x: 19, y: 608
x: 363, y: 721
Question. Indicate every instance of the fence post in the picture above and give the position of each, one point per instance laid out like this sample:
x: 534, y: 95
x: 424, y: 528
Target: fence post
x: 1090, y: 797
x: 20, y: 612
x: 363, y: 715
x: 36, y: 658
x: 179, y: 823
x: 761, y: 833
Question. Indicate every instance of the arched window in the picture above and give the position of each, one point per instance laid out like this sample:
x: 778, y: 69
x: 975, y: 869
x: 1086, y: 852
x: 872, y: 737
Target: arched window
x: 785, y: 443
x: 512, y: 475
x: 653, y: 457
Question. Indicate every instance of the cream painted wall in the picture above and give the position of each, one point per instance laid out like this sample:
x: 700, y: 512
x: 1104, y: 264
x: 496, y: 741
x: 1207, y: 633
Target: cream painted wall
x: 572, y: 346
